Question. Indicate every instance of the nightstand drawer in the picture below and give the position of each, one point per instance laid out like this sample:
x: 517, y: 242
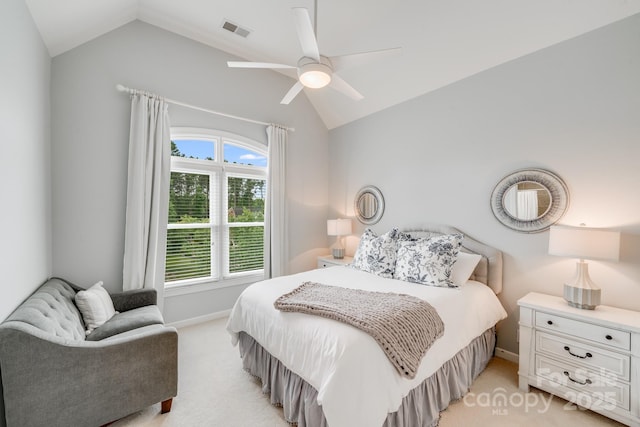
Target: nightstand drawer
x: 592, y: 388
x: 599, y: 334
x: 329, y: 261
x: 586, y: 355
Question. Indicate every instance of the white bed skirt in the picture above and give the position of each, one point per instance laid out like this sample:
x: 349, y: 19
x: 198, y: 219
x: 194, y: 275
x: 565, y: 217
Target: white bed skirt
x: 420, y: 408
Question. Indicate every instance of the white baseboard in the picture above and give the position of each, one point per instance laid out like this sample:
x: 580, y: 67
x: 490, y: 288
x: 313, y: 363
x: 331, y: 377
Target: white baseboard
x: 506, y: 355
x: 200, y: 319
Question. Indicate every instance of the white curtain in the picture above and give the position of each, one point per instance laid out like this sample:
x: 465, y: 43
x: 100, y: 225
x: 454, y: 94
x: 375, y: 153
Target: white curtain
x: 521, y: 204
x: 147, y: 194
x: 275, y: 221
x: 527, y: 204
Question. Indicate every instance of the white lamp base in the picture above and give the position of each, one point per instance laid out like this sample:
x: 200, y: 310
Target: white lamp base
x: 582, y: 292
x: 338, y: 253
x: 586, y: 299
x: 337, y: 249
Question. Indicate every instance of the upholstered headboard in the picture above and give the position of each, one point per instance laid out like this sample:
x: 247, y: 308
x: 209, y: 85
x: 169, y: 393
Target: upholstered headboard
x: 489, y: 269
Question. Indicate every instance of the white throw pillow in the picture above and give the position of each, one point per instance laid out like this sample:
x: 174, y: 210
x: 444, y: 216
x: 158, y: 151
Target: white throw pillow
x: 428, y: 261
x: 463, y: 267
x: 95, y: 305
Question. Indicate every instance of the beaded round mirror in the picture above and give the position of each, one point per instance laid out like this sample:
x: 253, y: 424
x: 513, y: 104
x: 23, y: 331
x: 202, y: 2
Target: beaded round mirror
x: 530, y: 200
x: 369, y: 205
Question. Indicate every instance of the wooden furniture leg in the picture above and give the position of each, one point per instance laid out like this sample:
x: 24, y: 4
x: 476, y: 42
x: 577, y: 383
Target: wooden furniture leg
x: 166, y: 406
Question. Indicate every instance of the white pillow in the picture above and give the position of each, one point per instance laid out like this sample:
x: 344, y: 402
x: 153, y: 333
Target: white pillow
x: 95, y: 305
x: 428, y: 261
x: 463, y: 267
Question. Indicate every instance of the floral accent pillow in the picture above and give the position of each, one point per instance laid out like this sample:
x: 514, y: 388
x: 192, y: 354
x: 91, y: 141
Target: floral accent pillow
x: 377, y: 254
x: 428, y: 261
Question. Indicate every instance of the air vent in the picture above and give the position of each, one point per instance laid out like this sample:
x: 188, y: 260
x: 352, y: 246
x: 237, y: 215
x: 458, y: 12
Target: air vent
x: 235, y: 28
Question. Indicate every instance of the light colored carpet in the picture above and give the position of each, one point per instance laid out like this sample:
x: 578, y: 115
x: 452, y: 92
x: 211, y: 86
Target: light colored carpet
x: 213, y: 390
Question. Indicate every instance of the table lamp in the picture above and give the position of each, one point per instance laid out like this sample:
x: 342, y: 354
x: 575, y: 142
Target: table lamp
x: 583, y: 243
x: 338, y: 227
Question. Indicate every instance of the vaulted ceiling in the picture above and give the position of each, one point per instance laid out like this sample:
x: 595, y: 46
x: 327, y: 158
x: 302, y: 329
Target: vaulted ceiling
x: 442, y: 40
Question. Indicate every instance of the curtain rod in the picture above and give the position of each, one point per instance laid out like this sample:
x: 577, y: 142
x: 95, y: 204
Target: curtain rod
x: 122, y: 88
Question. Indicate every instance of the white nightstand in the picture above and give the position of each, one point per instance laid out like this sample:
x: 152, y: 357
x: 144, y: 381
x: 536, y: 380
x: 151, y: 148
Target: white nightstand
x: 589, y: 357
x: 330, y: 261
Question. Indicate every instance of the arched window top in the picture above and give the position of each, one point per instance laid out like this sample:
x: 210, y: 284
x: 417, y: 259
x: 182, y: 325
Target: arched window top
x: 217, y: 146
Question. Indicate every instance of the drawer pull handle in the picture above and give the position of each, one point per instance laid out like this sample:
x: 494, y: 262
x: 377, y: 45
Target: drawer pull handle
x: 549, y: 322
x: 577, y: 355
x: 609, y: 337
x: 586, y: 382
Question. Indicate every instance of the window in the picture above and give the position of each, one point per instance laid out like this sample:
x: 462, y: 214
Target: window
x: 215, y: 230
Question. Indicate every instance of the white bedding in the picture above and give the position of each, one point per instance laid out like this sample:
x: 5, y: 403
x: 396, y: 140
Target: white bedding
x: 357, y: 385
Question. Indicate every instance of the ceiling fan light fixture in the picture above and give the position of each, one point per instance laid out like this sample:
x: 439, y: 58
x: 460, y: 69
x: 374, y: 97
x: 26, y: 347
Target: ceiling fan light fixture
x: 314, y: 76
x: 315, y: 70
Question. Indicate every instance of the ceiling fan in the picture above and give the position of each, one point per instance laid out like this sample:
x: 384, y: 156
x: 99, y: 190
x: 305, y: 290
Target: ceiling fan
x: 315, y: 70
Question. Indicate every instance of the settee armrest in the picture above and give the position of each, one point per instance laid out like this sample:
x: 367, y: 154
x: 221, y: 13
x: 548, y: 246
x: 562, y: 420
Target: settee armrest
x: 128, y: 300
x: 46, y: 378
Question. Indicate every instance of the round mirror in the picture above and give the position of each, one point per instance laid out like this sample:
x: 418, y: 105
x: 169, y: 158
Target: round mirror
x: 530, y: 200
x: 369, y: 205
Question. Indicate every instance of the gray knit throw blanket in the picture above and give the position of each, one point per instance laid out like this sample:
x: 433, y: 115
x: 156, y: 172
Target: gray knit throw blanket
x: 403, y: 325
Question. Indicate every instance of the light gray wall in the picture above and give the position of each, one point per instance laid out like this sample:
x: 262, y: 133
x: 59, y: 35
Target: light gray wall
x: 573, y: 108
x: 25, y: 252
x: 90, y: 147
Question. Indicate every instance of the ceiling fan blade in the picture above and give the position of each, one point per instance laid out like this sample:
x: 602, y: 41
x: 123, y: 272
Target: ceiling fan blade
x: 295, y: 89
x: 306, y: 34
x: 243, y: 64
x: 341, y: 86
x: 358, y: 59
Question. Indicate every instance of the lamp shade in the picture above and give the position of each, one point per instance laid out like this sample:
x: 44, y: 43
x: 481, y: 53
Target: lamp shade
x: 338, y: 227
x: 584, y: 243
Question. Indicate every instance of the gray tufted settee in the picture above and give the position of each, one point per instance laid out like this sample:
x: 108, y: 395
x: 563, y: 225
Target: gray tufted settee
x: 51, y: 374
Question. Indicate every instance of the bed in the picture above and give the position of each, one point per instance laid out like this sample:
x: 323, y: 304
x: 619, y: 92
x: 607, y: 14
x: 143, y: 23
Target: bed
x: 327, y: 373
